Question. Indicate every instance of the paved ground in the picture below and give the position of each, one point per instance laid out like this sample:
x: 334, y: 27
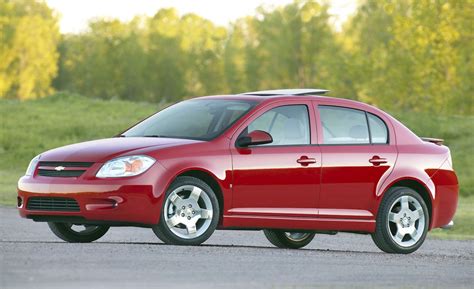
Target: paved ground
x: 31, y: 257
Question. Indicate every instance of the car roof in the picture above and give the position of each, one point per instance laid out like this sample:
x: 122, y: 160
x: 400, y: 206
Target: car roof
x: 295, y: 92
x: 287, y: 94
x: 271, y: 94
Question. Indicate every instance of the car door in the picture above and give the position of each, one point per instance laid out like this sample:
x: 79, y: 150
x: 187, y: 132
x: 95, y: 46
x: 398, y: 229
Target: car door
x: 280, y: 178
x: 357, y: 154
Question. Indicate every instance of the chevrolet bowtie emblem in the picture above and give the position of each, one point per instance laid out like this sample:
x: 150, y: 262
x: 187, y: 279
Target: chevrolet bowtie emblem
x: 59, y: 168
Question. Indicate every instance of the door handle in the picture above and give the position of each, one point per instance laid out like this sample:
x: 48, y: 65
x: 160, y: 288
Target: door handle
x: 377, y: 161
x: 304, y: 161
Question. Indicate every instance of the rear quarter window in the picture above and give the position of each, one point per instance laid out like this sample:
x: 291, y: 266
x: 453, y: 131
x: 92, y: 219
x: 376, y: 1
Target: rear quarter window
x: 378, y: 129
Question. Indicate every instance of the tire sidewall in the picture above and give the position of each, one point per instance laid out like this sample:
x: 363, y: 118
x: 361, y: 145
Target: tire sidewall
x: 283, y: 241
x: 62, y: 231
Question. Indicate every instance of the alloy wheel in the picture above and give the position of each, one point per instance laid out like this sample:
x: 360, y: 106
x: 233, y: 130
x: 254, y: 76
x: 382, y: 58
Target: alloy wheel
x: 188, y: 212
x: 406, y: 221
x: 81, y: 229
x: 297, y: 236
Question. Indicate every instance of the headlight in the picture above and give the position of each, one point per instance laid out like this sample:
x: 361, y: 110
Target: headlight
x: 125, y: 167
x: 32, y: 166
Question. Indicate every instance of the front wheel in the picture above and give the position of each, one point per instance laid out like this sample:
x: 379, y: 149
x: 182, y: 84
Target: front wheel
x: 402, y: 221
x: 190, y: 213
x: 77, y: 233
x: 291, y: 240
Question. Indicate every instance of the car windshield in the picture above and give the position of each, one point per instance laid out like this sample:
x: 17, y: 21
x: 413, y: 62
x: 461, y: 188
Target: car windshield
x: 200, y: 119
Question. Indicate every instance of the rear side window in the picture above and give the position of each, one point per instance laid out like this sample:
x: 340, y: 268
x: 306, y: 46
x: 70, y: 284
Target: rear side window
x: 343, y: 125
x: 378, y: 129
x: 351, y: 126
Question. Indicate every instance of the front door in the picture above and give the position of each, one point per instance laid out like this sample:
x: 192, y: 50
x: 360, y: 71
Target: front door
x: 281, y: 178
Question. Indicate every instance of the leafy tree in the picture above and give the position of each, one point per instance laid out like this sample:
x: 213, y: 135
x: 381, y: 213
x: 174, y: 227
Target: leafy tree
x: 413, y: 55
x: 28, y: 48
x: 203, y: 44
x: 166, y: 60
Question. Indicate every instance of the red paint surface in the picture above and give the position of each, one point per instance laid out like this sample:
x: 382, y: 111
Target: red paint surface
x: 260, y: 187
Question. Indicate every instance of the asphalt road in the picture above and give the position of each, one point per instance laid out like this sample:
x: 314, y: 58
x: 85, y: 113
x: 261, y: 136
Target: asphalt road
x: 32, y: 257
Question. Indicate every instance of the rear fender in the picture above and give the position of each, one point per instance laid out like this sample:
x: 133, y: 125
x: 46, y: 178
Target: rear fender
x: 414, y: 175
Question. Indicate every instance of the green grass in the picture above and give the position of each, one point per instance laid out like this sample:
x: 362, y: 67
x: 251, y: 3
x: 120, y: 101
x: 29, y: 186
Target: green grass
x: 463, y: 222
x: 31, y: 127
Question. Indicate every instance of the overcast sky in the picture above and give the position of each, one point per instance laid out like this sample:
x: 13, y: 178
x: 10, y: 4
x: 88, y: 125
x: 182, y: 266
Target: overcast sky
x: 76, y: 13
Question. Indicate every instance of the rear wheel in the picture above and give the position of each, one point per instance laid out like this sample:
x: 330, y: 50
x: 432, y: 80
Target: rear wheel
x: 402, y: 221
x: 190, y: 213
x: 292, y: 240
x: 77, y: 233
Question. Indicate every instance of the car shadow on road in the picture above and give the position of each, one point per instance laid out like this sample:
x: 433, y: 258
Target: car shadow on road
x: 305, y: 250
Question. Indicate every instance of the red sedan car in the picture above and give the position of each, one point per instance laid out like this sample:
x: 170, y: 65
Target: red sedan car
x: 285, y: 161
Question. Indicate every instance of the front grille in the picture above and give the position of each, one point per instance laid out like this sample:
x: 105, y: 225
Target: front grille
x: 48, y: 169
x: 66, y: 164
x: 52, y: 204
x: 65, y: 174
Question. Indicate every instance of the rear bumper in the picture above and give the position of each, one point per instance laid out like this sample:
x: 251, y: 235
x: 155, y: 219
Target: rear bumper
x: 449, y: 226
x: 446, y: 198
x: 130, y: 201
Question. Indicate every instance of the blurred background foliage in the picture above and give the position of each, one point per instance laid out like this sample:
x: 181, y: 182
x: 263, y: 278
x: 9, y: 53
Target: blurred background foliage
x: 29, y: 37
x: 411, y: 55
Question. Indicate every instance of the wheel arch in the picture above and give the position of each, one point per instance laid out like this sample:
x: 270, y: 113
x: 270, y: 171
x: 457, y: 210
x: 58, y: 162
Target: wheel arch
x: 209, y: 179
x: 418, y: 186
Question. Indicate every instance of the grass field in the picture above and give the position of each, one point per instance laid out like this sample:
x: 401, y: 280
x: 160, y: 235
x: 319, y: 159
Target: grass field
x: 31, y: 127
x: 463, y: 222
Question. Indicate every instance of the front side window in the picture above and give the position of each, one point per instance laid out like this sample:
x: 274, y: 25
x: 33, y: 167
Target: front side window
x: 343, y: 125
x: 201, y: 119
x: 288, y: 125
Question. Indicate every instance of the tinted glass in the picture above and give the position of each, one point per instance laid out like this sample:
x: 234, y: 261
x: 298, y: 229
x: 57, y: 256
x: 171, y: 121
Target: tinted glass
x: 288, y: 125
x: 378, y: 129
x: 192, y: 119
x: 343, y: 125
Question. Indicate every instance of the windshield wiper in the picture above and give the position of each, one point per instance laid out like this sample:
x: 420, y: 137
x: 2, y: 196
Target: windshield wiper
x: 155, y: 135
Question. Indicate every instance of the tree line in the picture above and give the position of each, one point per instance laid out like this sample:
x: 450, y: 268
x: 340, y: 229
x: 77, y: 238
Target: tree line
x: 405, y: 54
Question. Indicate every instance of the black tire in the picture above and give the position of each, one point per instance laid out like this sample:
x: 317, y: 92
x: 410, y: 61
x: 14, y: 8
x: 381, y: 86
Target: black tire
x: 280, y: 239
x: 66, y: 233
x: 164, y: 233
x: 383, y: 235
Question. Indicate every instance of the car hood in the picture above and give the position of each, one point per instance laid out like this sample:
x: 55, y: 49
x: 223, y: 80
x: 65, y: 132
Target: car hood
x: 105, y: 149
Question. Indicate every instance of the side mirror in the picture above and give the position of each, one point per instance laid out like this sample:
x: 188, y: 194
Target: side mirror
x: 256, y: 137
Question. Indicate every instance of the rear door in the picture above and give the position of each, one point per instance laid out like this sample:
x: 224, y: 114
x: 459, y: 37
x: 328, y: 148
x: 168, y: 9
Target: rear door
x: 357, y: 153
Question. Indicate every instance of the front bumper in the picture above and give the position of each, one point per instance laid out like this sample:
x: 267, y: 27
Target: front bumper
x: 134, y: 200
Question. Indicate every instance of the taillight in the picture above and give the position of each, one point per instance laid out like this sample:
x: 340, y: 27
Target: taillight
x: 450, y: 160
x: 448, y: 163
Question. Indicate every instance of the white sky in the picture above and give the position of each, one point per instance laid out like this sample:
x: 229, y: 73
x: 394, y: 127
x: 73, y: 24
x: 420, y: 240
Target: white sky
x: 75, y: 14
